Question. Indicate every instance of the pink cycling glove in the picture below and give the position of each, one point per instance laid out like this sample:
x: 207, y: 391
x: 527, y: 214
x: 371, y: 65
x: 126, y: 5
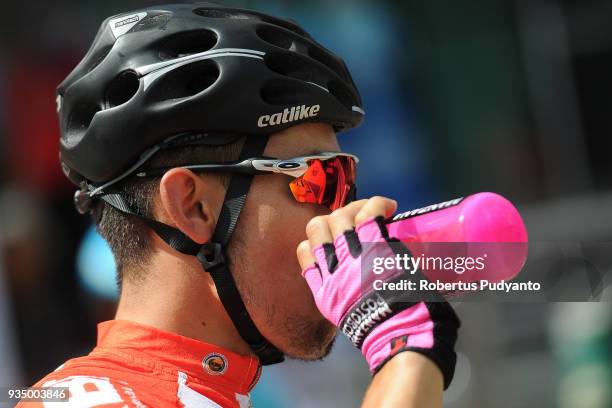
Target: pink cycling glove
x: 381, y: 323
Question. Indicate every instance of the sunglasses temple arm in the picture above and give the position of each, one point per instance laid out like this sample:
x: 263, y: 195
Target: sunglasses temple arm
x: 244, y: 167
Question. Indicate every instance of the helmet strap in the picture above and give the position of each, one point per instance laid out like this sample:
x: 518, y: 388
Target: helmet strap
x: 213, y: 257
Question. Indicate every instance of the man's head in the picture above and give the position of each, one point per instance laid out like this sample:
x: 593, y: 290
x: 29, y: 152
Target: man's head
x: 201, y: 83
x: 261, y: 251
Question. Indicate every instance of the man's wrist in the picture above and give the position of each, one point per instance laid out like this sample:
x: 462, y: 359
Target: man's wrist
x: 414, y: 330
x: 407, y: 380
x: 411, y: 326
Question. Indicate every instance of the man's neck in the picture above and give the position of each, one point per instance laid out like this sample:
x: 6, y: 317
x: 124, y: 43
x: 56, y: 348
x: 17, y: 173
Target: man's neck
x: 181, y: 300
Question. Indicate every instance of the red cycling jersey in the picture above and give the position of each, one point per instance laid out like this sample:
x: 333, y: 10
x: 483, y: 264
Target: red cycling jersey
x: 134, y: 365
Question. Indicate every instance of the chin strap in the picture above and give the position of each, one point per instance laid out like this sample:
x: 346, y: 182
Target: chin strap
x: 213, y: 257
x: 213, y: 254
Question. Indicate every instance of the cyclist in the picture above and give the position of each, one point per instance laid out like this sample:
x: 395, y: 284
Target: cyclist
x: 203, y: 142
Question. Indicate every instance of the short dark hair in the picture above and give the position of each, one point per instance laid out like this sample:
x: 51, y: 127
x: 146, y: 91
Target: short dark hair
x: 128, y: 236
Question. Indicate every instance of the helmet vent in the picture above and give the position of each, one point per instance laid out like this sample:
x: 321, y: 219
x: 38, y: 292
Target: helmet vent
x: 187, y: 43
x: 295, y: 67
x: 285, y: 24
x: 276, y: 37
x: 185, y: 81
x: 283, y: 92
x: 217, y: 13
x: 341, y: 93
x: 327, y: 60
x: 121, y: 89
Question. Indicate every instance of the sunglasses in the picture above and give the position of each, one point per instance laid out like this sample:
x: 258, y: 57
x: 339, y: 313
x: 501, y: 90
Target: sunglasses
x: 326, y: 178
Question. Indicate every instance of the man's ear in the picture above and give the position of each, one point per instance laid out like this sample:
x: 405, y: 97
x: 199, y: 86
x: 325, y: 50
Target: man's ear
x: 187, y: 204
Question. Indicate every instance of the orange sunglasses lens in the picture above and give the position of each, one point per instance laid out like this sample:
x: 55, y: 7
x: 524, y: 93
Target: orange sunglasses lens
x: 326, y: 182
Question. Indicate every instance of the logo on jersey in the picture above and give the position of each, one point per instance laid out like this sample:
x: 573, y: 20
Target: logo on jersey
x: 215, y: 363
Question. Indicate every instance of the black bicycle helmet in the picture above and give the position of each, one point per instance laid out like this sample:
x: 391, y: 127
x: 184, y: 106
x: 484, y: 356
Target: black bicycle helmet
x: 201, y: 73
x: 166, y: 70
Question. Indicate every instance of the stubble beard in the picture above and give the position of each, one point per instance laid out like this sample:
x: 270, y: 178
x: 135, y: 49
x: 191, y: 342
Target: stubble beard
x: 303, y: 337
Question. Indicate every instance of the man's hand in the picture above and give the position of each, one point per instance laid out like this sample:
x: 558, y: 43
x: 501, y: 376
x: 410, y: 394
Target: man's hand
x: 382, y: 324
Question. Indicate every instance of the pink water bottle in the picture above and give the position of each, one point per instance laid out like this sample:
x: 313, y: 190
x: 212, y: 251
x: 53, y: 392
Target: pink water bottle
x: 481, y: 236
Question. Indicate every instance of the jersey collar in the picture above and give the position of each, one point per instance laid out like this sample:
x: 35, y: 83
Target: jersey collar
x: 201, y: 361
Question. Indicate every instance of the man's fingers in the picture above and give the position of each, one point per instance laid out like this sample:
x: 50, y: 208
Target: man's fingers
x: 304, y: 255
x: 375, y: 207
x: 318, y: 232
x: 310, y: 271
x: 325, y: 228
x: 343, y: 219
